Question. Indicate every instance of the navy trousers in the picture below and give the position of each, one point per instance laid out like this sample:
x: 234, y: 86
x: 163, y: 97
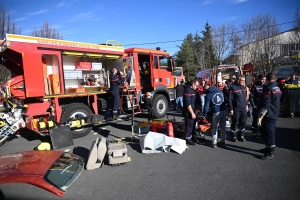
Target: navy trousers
x: 189, y: 125
x: 268, y: 131
x: 254, y: 121
x: 116, y: 100
x: 239, y: 116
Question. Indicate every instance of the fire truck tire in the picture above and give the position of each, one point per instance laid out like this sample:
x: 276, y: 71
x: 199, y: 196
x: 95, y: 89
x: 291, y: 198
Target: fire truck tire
x: 160, y: 106
x: 73, y: 109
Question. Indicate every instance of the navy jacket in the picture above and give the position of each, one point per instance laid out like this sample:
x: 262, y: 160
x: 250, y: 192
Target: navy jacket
x: 115, y: 81
x: 237, y: 97
x: 255, y: 93
x: 189, y: 97
x: 215, y: 100
x: 270, y: 100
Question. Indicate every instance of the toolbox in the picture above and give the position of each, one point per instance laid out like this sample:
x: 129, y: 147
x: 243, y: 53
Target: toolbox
x: 83, y: 65
x: 104, y: 151
x: 117, y: 153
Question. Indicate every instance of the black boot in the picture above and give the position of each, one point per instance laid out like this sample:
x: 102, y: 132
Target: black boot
x: 233, y: 136
x: 269, y: 154
x: 242, y: 135
x: 115, y: 116
x: 254, y: 132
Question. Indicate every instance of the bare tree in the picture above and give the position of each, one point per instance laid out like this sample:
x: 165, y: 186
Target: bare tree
x: 297, y: 24
x: 260, y: 36
x: 6, y: 26
x: 47, y: 31
x: 222, y: 36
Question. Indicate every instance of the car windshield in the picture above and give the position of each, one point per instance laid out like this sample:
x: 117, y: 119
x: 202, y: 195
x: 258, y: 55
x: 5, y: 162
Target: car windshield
x: 65, y: 171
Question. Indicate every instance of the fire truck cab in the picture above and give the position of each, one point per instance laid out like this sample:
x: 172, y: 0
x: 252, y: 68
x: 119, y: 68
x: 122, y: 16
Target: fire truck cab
x: 154, y: 73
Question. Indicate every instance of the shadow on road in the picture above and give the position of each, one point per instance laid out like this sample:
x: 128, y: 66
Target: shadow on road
x: 102, y: 132
x: 243, y: 150
x: 123, y: 127
x: 288, y: 138
x: 82, y: 152
x: 136, y: 147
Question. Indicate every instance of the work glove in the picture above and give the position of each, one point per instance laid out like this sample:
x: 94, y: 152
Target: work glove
x: 260, y: 116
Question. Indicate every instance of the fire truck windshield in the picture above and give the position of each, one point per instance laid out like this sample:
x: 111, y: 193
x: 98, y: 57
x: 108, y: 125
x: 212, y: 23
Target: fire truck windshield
x: 164, y: 62
x: 178, y: 71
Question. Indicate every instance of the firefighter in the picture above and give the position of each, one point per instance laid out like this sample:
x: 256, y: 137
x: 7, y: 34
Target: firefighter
x: 147, y: 99
x: 255, y: 93
x: 238, y: 109
x: 268, y: 113
x: 189, y: 97
x: 116, y: 78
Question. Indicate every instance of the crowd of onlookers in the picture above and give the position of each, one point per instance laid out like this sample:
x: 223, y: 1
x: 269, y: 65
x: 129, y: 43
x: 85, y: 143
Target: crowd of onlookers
x: 261, y: 101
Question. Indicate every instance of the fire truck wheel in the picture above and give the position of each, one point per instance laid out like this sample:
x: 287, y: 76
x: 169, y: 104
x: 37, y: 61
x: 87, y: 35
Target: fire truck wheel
x: 160, y: 106
x: 73, y: 109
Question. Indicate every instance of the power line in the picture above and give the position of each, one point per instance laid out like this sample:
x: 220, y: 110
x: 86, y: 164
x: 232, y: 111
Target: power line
x: 212, y: 36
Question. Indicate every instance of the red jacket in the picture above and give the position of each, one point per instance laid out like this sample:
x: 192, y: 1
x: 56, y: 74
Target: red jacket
x: 200, y: 89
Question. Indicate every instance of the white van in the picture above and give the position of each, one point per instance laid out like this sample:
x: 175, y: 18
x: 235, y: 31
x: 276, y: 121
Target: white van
x: 284, y: 71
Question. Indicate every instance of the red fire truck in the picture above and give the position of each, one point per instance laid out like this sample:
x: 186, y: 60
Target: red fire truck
x: 220, y: 73
x: 179, y: 76
x: 56, y: 83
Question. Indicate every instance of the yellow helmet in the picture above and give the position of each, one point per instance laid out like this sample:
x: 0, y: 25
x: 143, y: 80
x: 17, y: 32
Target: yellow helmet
x: 44, y: 146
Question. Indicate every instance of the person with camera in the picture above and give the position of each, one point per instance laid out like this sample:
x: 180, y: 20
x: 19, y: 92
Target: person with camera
x: 116, y: 78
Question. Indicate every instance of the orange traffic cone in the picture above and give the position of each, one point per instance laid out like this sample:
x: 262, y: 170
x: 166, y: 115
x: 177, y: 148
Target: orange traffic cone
x: 170, y: 129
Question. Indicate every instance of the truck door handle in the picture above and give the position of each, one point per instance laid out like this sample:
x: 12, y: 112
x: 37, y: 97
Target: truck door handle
x: 160, y: 79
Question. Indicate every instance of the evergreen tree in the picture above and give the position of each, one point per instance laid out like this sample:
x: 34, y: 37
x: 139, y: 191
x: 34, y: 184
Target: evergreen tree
x: 198, y: 52
x: 209, y: 55
x: 185, y: 56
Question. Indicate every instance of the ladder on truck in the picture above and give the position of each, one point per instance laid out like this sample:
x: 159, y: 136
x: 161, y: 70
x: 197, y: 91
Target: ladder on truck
x: 131, y: 97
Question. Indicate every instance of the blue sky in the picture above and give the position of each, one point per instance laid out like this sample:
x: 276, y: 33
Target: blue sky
x: 141, y: 21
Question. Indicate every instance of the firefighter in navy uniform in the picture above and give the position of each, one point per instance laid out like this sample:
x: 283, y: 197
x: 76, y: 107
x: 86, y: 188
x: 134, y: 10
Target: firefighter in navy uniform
x: 116, y: 78
x: 255, y: 93
x: 238, y: 109
x: 189, y: 97
x: 268, y: 113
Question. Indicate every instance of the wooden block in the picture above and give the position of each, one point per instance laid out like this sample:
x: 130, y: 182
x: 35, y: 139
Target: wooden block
x: 49, y: 86
x: 46, y: 84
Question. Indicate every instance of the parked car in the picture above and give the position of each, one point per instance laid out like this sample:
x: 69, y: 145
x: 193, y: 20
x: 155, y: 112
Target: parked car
x: 51, y: 170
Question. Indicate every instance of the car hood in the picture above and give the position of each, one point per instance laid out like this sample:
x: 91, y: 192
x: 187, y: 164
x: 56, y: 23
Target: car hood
x: 33, y: 167
x: 27, y: 163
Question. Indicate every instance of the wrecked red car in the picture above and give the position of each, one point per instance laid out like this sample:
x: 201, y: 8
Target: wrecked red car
x: 51, y: 170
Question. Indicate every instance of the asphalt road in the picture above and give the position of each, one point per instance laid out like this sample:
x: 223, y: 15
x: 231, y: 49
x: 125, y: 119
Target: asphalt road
x: 234, y: 172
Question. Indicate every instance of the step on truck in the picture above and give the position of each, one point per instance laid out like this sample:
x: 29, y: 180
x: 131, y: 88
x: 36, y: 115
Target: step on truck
x: 58, y: 83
